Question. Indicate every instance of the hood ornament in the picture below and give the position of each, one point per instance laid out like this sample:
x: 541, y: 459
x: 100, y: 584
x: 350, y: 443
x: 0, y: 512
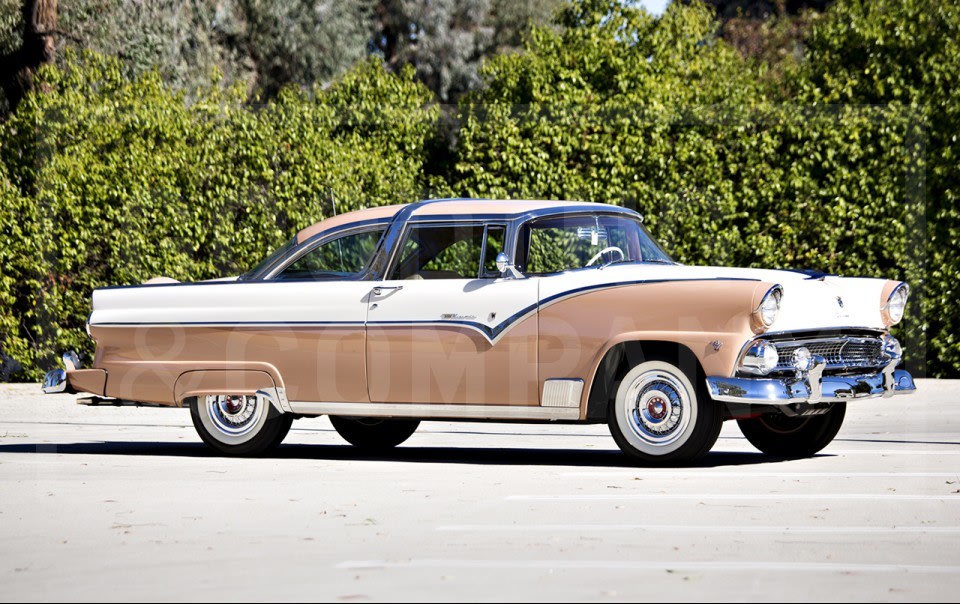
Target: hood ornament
x: 839, y: 301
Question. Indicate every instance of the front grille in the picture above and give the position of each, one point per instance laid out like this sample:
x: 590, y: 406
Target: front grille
x: 841, y: 354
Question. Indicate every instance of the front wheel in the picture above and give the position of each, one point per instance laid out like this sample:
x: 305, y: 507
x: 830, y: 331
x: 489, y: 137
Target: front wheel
x: 659, y: 416
x: 784, y: 436
x: 374, y: 434
x: 239, y: 424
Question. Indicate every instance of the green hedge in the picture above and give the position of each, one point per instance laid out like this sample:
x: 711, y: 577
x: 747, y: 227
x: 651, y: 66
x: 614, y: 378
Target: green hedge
x: 905, y: 54
x: 113, y: 181
x: 848, y: 166
x: 657, y: 114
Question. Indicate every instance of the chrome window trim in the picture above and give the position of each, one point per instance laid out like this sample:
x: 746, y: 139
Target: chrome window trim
x: 481, y: 272
x: 384, y: 256
x: 322, y: 239
x: 412, y: 224
x: 276, y: 256
x: 395, y: 224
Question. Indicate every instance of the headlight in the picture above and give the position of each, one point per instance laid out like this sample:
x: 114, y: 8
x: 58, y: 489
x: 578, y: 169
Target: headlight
x: 760, y: 359
x: 769, y: 307
x: 895, y: 304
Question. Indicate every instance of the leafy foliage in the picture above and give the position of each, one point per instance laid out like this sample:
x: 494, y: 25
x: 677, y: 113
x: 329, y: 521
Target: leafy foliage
x: 119, y: 180
x: 905, y: 54
x: 262, y: 44
x: 446, y: 41
x: 660, y: 115
x: 113, y: 175
x: 302, y: 41
x: 268, y: 44
x: 183, y: 41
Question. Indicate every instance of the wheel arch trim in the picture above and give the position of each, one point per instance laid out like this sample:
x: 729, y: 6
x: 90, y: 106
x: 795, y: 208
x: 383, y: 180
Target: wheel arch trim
x: 204, y: 382
x: 596, y: 395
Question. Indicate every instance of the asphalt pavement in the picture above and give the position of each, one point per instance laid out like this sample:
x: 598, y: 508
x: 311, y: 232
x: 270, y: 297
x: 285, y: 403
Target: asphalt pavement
x: 119, y: 504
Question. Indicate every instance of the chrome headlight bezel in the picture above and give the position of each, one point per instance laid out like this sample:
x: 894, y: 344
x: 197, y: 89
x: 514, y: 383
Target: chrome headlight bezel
x: 895, y: 305
x: 768, y: 310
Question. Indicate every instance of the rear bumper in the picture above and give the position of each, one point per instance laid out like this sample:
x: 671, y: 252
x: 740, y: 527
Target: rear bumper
x: 55, y: 381
x: 72, y: 381
x: 832, y: 388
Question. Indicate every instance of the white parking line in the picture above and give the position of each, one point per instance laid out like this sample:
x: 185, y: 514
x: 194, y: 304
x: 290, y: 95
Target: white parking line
x: 647, y: 565
x: 829, y: 452
x: 880, y: 452
x: 646, y: 473
x: 695, y: 529
x: 738, y: 497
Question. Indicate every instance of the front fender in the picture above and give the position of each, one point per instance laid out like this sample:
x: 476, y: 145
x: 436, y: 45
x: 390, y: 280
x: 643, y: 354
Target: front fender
x: 711, y: 317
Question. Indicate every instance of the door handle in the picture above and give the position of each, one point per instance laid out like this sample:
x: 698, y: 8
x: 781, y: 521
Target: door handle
x: 379, y: 289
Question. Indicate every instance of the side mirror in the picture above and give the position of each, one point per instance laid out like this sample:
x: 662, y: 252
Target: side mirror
x: 507, y: 270
x: 503, y: 262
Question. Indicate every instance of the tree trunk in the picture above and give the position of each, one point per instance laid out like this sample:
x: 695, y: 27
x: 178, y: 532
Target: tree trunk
x: 19, y: 67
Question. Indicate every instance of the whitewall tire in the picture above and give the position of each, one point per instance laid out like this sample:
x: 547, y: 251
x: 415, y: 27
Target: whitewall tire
x: 658, y: 415
x: 239, y: 424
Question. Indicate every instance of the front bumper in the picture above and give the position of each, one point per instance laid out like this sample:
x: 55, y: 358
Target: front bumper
x: 811, y: 388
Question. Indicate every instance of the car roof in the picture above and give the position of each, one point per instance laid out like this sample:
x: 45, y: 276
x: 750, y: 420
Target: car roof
x: 452, y: 207
x: 375, y: 214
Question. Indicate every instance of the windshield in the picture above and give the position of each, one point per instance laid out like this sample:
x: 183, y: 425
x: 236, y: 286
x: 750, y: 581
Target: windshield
x: 563, y: 243
x: 260, y: 270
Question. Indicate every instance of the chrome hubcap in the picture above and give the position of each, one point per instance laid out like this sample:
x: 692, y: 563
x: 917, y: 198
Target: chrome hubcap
x: 658, y: 407
x: 234, y: 414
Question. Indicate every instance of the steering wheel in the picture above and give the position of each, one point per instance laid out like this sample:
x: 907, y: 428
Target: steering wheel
x: 600, y: 254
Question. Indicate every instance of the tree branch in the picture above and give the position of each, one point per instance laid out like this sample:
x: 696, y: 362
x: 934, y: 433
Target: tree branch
x: 62, y: 33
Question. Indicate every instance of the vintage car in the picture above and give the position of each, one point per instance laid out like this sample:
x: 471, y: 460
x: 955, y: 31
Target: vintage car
x: 532, y: 311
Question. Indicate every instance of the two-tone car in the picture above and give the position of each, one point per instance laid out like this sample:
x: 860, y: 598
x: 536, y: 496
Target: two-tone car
x: 496, y: 310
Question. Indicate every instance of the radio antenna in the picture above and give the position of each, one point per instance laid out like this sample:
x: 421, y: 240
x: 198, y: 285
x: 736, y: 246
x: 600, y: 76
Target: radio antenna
x: 333, y: 204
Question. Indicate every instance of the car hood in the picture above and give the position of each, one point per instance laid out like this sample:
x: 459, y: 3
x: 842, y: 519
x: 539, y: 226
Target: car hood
x: 810, y: 301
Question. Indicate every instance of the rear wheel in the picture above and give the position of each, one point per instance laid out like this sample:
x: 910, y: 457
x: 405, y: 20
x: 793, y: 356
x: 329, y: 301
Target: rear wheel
x: 659, y: 416
x: 784, y: 436
x: 239, y: 424
x: 374, y: 434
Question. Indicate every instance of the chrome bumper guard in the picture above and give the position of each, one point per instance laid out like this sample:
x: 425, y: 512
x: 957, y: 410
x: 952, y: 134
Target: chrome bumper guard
x: 56, y: 379
x: 812, y: 386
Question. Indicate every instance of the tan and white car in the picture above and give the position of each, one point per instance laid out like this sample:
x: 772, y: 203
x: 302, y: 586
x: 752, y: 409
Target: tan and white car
x: 537, y: 311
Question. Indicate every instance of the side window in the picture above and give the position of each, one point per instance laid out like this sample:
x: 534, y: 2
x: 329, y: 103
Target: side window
x: 337, y: 258
x: 554, y: 250
x: 440, y: 252
x: 496, y: 235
